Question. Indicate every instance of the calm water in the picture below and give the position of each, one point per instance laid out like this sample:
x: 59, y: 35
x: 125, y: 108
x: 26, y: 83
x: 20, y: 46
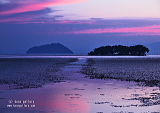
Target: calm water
x: 80, y: 95
x: 50, y: 56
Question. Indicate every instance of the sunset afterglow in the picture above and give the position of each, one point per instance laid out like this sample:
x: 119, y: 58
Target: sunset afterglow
x: 65, y: 21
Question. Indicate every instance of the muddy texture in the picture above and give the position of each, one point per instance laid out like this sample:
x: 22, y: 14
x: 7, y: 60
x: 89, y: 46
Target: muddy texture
x: 153, y: 99
x: 31, y: 72
x: 145, y: 71
x: 83, y: 95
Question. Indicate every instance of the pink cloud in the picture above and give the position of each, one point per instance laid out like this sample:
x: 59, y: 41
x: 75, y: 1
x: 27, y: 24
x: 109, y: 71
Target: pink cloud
x: 146, y: 30
x: 36, y: 5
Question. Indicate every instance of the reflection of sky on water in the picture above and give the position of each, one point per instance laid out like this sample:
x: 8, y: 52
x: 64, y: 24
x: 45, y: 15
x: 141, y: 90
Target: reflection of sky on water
x: 82, y: 95
x: 74, y: 56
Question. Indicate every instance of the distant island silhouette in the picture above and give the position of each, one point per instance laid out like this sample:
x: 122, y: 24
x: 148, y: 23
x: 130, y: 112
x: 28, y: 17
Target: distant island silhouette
x: 53, y: 48
x: 120, y: 50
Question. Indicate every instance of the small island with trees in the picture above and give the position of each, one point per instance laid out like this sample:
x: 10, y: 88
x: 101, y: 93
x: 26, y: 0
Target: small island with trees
x: 120, y: 50
x: 53, y: 48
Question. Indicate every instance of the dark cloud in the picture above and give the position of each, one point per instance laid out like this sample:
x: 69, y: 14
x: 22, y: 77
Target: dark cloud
x: 7, y: 7
x: 96, y: 18
x: 39, y: 12
x: 34, y: 16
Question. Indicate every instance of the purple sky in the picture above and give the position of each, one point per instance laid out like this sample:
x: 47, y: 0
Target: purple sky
x: 81, y: 25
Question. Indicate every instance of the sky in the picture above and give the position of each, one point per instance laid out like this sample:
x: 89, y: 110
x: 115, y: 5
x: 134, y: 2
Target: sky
x: 81, y: 25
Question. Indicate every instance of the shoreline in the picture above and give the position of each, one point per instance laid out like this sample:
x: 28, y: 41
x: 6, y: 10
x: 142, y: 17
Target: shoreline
x: 73, y: 56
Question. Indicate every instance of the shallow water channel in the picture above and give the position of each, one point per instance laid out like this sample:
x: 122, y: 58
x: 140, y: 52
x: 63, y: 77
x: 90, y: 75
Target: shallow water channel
x: 81, y: 95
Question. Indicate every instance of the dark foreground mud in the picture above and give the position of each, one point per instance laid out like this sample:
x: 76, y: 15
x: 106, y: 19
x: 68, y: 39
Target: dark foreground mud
x: 31, y: 72
x: 146, y: 71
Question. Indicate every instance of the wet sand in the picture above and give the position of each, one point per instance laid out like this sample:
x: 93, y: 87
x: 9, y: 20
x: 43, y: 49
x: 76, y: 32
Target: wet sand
x: 77, y: 94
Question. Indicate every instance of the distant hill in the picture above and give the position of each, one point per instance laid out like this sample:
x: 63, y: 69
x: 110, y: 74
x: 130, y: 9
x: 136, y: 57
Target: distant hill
x: 53, y: 48
x: 154, y: 48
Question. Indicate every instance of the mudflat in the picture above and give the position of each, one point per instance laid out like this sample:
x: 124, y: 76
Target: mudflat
x: 31, y: 72
x: 77, y: 93
x: 144, y: 70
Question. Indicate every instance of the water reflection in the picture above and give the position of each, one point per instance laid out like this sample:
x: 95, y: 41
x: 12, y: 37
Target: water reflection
x: 83, y: 95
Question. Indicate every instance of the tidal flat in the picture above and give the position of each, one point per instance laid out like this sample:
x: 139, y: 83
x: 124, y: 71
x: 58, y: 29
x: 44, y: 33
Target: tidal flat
x: 65, y: 87
x: 146, y: 71
x: 31, y: 72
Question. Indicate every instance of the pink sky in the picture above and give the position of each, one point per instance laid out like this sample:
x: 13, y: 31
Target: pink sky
x: 77, y: 21
x: 144, y: 30
x: 36, y: 5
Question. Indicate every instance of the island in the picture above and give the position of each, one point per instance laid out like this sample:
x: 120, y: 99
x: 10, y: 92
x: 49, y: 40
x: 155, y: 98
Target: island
x: 53, y: 48
x: 117, y: 50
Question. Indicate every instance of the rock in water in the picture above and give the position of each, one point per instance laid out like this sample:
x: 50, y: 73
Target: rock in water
x: 53, y: 48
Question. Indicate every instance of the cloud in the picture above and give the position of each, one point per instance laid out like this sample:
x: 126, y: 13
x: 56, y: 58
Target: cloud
x: 96, y: 18
x: 4, y: 1
x: 40, y: 16
x: 144, y: 30
x: 30, y: 11
x: 30, y: 17
x: 27, y: 5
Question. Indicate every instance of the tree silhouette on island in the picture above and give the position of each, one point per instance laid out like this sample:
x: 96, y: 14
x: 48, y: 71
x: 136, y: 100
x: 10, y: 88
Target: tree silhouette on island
x: 120, y: 50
